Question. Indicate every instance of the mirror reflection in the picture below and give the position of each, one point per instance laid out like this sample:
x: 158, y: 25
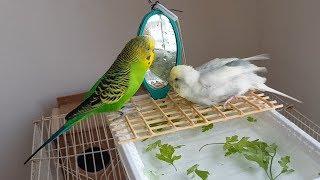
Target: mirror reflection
x: 159, y: 27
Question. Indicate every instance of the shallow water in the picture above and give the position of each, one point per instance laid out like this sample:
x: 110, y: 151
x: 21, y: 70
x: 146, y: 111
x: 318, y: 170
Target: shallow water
x: 304, y: 160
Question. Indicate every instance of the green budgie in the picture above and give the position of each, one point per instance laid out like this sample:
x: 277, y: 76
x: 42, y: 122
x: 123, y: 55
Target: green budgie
x: 115, y: 87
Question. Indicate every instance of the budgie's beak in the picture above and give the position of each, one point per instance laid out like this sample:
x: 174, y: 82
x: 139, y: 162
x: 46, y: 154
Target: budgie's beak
x: 170, y: 83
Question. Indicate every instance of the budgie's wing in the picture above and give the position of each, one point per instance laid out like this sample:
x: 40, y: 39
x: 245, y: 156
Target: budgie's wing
x: 217, y: 75
x: 109, y: 89
x: 215, y: 64
x: 220, y: 62
x: 93, y: 88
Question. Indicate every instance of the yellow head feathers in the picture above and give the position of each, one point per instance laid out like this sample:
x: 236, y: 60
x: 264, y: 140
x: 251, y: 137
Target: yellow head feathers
x: 149, y: 54
x: 139, y: 49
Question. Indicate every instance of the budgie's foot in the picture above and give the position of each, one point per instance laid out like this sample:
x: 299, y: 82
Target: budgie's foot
x: 118, y: 115
x: 124, y: 111
x: 230, y: 99
x: 114, y: 117
x: 128, y: 109
x: 131, y: 106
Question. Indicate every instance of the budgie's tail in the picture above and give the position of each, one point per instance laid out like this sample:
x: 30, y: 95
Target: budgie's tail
x: 62, y: 130
x: 263, y: 87
x: 257, y: 57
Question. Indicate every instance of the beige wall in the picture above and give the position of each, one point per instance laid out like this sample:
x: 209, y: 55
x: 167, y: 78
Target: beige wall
x: 218, y: 28
x: 51, y: 48
x: 290, y: 32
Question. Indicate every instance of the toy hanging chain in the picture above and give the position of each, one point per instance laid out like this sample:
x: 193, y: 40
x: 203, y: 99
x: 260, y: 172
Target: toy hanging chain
x: 183, y: 52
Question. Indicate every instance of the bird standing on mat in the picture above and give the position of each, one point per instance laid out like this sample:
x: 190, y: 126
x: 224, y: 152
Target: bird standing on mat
x: 115, y: 87
x: 220, y: 80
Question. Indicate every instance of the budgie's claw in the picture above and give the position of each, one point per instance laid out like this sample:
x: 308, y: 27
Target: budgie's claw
x: 124, y: 111
x: 115, y: 116
x: 131, y: 107
x: 228, y: 101
x: 139, y: 108
x: 232, y: 98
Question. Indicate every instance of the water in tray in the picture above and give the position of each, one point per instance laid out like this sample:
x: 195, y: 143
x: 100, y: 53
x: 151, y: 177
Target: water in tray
x: 304, y: 160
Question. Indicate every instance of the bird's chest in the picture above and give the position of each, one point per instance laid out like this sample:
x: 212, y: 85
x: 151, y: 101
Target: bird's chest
x: 137, y: 73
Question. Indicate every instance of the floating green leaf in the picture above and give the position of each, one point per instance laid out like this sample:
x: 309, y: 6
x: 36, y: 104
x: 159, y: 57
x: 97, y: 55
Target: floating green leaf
x: 283, y: 162
x: 153, y: 145
x: 251, y: 119
x: 207, y: 127
x: 192, y: 169
x: 167, y: 154
x: 256, y: 151
x: 202, y: 174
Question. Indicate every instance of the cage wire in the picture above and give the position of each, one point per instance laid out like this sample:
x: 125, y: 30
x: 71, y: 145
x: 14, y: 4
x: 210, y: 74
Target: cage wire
x: 298, y: 118
x: 88, y: 150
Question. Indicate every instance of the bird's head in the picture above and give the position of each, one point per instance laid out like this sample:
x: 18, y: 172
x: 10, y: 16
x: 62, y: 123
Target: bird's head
x: 140, y: 49
x: 183, y: 77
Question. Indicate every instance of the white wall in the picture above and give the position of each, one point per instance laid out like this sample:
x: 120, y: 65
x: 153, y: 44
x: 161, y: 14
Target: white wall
x: 51, y: 48
x: 218, y: 28
x: 290, y: 33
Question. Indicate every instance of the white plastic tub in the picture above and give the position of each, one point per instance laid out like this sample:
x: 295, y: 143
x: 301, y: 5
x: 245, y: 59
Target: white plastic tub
x: 271, y: 127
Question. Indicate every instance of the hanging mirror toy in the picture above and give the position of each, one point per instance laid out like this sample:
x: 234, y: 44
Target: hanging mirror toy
x: 163, y: 26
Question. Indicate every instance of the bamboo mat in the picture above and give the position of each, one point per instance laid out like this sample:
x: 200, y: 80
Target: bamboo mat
x: 152, y: 118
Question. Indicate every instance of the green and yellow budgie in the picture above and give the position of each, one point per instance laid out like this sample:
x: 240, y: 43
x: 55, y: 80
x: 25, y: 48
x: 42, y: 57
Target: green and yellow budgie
x: 115, y: 87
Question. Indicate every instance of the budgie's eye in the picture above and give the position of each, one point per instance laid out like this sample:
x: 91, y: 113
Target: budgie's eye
x: 176, y: 79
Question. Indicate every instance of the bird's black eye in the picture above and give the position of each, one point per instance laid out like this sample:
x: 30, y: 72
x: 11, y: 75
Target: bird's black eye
x: 176, y: 79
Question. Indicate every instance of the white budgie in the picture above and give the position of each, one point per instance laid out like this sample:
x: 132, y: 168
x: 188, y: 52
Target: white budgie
x: 220, y: 80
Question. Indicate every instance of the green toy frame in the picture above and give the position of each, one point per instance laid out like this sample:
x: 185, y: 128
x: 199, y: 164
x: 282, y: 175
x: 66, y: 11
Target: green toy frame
x: 159, y: 93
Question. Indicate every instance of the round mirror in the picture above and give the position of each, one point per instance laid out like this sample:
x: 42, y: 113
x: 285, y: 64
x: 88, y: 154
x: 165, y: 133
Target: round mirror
x: 167, y: 51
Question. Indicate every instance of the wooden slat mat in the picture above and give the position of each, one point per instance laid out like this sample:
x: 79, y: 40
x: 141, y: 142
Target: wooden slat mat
x: 158, y: 117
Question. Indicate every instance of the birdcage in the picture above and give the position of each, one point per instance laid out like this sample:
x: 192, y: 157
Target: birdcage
x: 299, y: 119
x: 87, y: 151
